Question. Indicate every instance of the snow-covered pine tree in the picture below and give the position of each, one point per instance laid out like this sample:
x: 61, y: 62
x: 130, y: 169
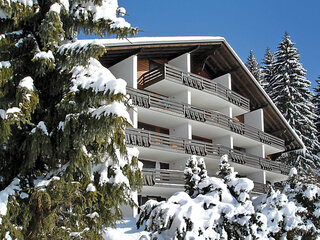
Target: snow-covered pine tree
x: 290, y: 91
x: 267, y: 69
x: 304, y: 191
x: 316, y: 102
x: 194, y: 172
x: 254, y: 67
x: 62, y: 121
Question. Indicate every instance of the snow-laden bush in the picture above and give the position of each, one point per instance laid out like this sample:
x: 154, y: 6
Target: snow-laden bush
x: 282, y: 215
x: 222, y: 209
x: 304, y: 191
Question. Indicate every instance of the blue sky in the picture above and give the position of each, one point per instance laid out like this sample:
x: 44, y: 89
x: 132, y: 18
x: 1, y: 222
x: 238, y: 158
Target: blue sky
x: 246, y: 24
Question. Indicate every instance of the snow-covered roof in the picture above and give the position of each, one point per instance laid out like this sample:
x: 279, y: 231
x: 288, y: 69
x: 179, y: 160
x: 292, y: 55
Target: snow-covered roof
x: 154, y: 40
x: 140, y: 41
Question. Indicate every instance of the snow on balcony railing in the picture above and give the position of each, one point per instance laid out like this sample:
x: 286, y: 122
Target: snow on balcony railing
x: 166, y: 142
x: 149, y: 100
x: 192, y: 80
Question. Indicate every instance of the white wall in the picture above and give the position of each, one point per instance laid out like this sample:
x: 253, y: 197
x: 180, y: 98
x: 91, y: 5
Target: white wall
x: 182, y: 62
x: 128, y: 211
x: 127, y: 70
x: 258, y: 150
x: 134, y: 117
x: 259, y: 177
x: 183, y: 130
x: 224, y: 80
x: 255, y: 119
x: 227, y: 111
x: 184, y: 97
x: 226, y: 141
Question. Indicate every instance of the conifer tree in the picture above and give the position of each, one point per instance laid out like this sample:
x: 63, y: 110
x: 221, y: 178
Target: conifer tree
x: 290, y: 91
x: 194, y: 172
x: 62, y: 121
x: 254, y: 67
x: 316, y: 102
x: 267, y: 69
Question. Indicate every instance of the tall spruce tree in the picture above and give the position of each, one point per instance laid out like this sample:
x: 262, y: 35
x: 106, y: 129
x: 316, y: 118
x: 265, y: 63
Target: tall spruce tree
x: 62, y: 121
x: 290, y: 91
x: 267, y: 69
x: 316, y: 102
x: 254, y: 67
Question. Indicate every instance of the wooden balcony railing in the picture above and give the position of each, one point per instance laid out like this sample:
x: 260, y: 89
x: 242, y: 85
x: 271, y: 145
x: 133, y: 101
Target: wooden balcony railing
x: 166, y: 142
x: 153, y: 177
x: 192, y: 80
x: 149, y: 100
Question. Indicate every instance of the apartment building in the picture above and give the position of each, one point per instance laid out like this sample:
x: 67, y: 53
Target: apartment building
x: 194, y: 96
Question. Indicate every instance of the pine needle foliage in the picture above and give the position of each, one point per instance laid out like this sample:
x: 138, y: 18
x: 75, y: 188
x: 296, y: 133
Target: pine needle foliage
x: 290, y: 91
x: 316, y: 102
x: 67, y: 157
x: 267, y: 69
x: 254, y: 67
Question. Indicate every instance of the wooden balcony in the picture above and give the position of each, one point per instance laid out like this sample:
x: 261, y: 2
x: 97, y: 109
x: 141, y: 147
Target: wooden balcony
x: 148, y: 139
x: 173, y: 74
x: 149, y: 100
x: 175, y: 178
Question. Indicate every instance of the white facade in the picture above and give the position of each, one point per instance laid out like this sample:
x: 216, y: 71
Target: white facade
x: 183, y: 114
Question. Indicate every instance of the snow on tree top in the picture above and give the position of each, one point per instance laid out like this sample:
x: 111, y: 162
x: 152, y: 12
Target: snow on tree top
x: 293, y: 171
x: 3, y: 114
x: 107, y: 11
x: 55, y: 8
x: 5, y: 64
x: 116, y: 108
x: 41, y: 125
x: 96, y: 77
x: 13, y: 110
x: 4, y: 195
x: 122, y: 11
x: 65, y: 3
x: 91, y: 188
x: 46, y: 55
x: 28, y: 3
x: 27, y: 82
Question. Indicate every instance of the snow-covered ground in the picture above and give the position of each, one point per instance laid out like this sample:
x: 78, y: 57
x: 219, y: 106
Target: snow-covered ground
x: 126, y: 230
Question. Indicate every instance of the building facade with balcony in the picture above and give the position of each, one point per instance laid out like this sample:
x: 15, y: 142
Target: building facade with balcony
x: 194, y: 96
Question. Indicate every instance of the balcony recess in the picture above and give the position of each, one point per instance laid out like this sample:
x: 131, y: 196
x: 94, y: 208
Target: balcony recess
x: 148, y: 139
x: 169, y: 80
x: 159, y: 103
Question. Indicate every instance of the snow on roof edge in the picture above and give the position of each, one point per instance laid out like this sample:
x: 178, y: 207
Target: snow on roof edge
x: 112, y: 42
